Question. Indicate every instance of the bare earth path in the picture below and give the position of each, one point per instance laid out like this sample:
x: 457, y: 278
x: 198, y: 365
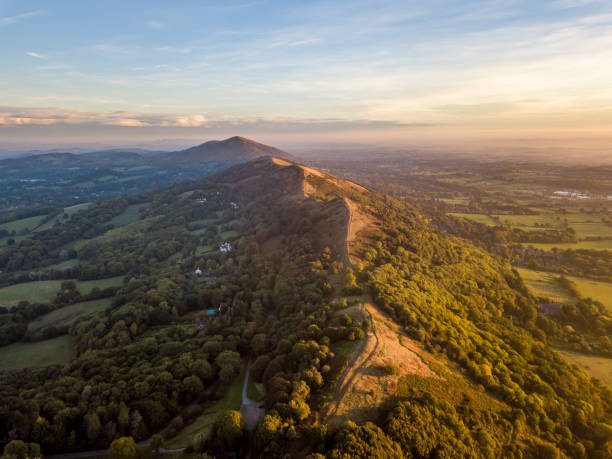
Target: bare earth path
x: 251, y: 410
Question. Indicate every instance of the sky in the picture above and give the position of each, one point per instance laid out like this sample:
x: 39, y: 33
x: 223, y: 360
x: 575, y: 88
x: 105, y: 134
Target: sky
x: 294, y: 72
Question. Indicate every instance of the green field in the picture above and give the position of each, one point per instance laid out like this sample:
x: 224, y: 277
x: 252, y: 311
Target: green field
x: 585, y: 225
x: 597, y: 290
x: 598, y: 367
x: 45, y: 291
x: 545, y: 284
x: 70, y: 211
x: 478, y: 218
x: 129, y: 215
x: 229, y: 234
x: 49, y: 352
x: 201, y: 425
x: 23, y: 224
x: 203, y: 249
x: 605, y: 244
x: 68, y: 314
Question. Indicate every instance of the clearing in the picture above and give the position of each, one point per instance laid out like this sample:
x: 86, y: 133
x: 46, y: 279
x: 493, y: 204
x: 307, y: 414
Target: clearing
x: 42, y: 353
x: 45, y: 291
x: 598, y: 367
x: 68, y: 314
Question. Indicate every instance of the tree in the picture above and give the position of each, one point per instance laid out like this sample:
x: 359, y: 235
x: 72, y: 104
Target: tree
x: 123, y: 448
x: 16, y: 449
x: 229, y: 432
x: 156, y: 443
x: 93, y: 427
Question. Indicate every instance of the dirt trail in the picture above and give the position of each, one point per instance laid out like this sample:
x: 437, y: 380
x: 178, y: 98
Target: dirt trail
x: 251, y: 410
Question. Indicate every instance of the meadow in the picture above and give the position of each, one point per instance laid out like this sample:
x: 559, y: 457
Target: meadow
x: 598, y: 367
x: 603, y: 244
x: 585, y: 225
x: 68, y: 314
x: 49, y: 352
x: 24, y: 224
x: 545, y: 284
x: 129, y: 215
x: 45, y: 291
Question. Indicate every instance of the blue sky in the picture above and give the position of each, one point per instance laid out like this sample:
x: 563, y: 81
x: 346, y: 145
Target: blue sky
x: 135, y: 70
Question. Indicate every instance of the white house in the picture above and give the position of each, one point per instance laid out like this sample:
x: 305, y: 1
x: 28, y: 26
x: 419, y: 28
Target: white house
x: 225, y: 247
x: 198, y: 272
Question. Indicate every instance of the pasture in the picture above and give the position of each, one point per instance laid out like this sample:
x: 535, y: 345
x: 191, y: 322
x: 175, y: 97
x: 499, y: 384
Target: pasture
x: 545, y: 284
x: 45, y: 291
x: 597, y: 367
x: 42, y: 353
x: 68, y: 314
x: 478, y: 218
x: 23, y: 225
x: 604, y: 244
x: 129, y: 215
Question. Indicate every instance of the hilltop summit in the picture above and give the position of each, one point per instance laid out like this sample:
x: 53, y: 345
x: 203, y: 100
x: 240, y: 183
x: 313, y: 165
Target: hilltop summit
x: 232, y: 149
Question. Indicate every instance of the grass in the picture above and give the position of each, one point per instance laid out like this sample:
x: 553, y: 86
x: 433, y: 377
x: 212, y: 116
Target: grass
x: 478, y: 218
x: 604, y: 244
x: 70, y: 211
x: 585, y: 225
x: 129, y: 215
x: 545, y: 284
x: 71, y: 263
x: 203, y: 249
x: 597, y: 290
x: 45, y: 291
x: 203, y: 423
x: 598, y: 367
x: 255, y: 391
x: 24, y: 355
x: 29, y: 223
x: 68, y: 314
x: 229, y: 234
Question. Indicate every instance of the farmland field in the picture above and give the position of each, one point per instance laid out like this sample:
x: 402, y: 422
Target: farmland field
x: 49, y: 352
x: 585, y: 225
x: 23, y: 224
x: 129, y: 215
x: 68, y: 314
x: 45, y: 291
x: 604, y: 244
x: 598, y: 367
x: 545, y: 284
x: 478, y: 218
x: 597, y: 290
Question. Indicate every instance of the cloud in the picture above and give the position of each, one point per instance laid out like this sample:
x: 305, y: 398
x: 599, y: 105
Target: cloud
x: 153, y: 24
x: 173, y: 49
x: 35, y: 55
x: 19, y: 17
x: 14, y: 116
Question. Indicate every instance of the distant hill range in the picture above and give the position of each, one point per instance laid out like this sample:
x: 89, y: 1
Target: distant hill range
x: 235, y: 149
x: 68, y: 178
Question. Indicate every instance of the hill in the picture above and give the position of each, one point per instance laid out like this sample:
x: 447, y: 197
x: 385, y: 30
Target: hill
x: 350, y: 306
x: 64, y: 179
x: 235, y: 149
